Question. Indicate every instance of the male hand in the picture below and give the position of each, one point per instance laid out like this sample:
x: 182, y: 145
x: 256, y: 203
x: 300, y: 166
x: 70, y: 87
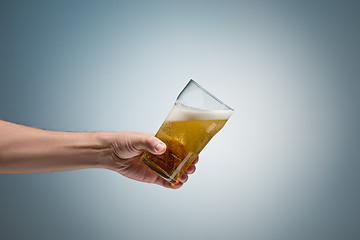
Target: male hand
x: 127, y: 149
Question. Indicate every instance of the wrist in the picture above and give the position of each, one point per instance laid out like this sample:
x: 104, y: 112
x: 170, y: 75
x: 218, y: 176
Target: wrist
x: 87, y: 149
x: 103, y: 142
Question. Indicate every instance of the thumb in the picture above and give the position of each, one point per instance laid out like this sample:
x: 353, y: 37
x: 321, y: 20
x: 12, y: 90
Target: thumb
x: 149, y: 143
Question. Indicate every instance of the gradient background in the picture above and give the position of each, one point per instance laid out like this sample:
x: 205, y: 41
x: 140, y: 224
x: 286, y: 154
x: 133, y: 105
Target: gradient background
x: 286, y: 165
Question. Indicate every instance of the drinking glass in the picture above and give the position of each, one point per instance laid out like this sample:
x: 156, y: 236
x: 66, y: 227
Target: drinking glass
x: 195, y: 118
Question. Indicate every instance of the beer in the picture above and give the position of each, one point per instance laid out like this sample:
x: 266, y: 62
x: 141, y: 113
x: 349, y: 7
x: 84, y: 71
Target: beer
x: 185, y: 132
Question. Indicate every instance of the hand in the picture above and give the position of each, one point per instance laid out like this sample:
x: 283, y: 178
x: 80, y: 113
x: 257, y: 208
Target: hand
x: 127, y: 148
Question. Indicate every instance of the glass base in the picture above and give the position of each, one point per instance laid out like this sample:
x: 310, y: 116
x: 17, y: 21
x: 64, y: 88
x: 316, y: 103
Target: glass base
x: 158, y: 170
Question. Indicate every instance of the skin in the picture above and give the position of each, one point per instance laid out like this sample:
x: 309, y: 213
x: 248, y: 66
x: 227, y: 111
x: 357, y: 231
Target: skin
x: 30, y: 150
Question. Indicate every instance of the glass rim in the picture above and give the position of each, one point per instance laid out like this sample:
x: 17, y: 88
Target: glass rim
x: 206, y: 91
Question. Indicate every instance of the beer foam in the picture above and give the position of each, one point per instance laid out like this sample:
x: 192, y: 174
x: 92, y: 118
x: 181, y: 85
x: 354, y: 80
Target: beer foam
x: 182, y: 113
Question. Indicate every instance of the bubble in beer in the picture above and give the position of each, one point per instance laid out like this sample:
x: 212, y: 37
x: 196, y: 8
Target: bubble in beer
x: 185, y: 132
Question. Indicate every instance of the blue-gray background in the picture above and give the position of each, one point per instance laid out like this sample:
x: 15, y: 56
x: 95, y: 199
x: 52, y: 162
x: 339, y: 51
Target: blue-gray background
x: 286, y: 165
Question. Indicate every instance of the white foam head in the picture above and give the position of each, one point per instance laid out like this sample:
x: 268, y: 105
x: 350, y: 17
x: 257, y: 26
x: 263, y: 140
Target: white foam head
x: 181, y: 113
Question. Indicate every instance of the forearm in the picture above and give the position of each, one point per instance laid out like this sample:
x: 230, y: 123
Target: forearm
x: 30, y: 150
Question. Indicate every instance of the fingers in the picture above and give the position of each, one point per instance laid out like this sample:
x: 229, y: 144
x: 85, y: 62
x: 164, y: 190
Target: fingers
x: 196, y: 160
x: 164, y: 183
x: 183, y: 178
x: 148, y: 142
x: 176, y: 185
x: 191, y: 169
x: 180, y: 182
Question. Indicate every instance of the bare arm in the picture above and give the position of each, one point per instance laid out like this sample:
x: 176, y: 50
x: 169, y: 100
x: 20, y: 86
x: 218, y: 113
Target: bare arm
x: 30, y: 150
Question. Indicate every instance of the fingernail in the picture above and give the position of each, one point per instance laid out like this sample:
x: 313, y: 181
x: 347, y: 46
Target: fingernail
x: 160, y: 147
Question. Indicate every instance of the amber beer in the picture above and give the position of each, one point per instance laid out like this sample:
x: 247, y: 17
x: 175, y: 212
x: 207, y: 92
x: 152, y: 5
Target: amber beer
x: 185, y: 132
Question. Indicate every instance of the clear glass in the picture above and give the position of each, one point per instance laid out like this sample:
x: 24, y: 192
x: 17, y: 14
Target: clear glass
x: 195, y: 118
